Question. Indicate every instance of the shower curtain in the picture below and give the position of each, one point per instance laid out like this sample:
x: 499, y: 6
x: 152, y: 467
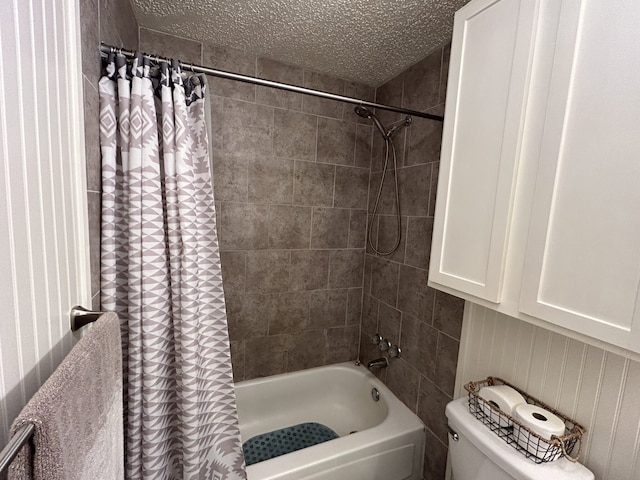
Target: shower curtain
x: 161, y: 274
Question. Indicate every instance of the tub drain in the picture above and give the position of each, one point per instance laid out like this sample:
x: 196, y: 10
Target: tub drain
x: 375, y: 394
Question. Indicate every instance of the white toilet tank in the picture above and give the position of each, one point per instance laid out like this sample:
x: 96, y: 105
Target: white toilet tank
x: 479, y: 454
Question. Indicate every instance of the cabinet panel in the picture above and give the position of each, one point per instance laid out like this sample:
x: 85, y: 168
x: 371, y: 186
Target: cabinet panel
x: 582, y: 268
x: 489, y: 61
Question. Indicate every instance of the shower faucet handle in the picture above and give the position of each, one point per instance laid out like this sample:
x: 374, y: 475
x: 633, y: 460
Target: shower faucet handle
x: 376, y: 339
x: 384, y: 345
x: 395, y: 351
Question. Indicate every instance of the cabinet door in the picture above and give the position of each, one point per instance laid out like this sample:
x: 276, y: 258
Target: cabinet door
x: 582, y: 268
x: 490, y: 56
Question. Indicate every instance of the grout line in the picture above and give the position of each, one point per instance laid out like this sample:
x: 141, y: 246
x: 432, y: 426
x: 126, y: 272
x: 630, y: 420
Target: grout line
x: 335, y: 174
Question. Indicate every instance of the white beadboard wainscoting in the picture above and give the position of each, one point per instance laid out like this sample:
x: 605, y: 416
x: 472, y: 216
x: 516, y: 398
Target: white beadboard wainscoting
x: 599, y: 389
x: 44, y: 262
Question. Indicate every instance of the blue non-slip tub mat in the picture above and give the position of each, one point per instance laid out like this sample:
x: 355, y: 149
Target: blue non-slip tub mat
x: 286, y: 440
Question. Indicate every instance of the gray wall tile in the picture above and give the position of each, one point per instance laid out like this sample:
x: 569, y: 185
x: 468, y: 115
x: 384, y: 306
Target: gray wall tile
x: 328, y: 308
x: 357, y: 228
x: 384, y: 280
x: 346, y: 268
x: 448, y: 312
x: 90, y: 42
x: 370, y: 306
x: 390, y: 94
x: 323, y: 106
x: 415, y: 183
x: 229, y: 176
x: 309, y: 269
x: 237, y: 360
x: 418, y: 249
x: 243, y: 226
x: 404, y: 382
x: 217, y: 117
x: 247, y: 128
x: 289, y: 226
x: 231, y: 60
x: 354, y: 306
x: 423, y: 142
x: 419, y: 343
x: 247, y: 316
x: 118, y: 24
x: 294, y: 135
x: 364, y: 142
x: 389, y: 323
x: 270, y: 180
x: 342, y: 344
x: 431, y: 405
x: 267, y: 271
x: 414, y: 297
x: 330, y: 228
x: 313, y: 184
x: 279, y: 72
x: 351, y: 187
x: 336, y: 141
x: 233, y: 272
x: 306, y: 350
x: 444, y: 75
x: 446, y: 363
x: 435, y: 458
x: 422, y: 83
x: 291, y: 314
x: 268, y: 356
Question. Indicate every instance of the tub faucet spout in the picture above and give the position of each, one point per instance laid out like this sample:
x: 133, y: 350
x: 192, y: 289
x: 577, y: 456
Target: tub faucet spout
x: 378, y: 363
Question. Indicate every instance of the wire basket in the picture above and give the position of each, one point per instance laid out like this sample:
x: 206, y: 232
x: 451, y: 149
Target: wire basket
x: 529, y: 443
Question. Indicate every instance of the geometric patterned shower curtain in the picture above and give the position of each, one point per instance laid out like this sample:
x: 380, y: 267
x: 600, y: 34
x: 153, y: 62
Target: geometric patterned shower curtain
x: 161, y: 274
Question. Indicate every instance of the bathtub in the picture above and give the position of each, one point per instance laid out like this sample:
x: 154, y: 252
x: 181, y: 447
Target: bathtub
x: 378, y: 440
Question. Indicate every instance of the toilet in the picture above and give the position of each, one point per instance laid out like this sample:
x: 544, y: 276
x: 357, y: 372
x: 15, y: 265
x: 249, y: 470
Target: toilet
x: 476, y: 453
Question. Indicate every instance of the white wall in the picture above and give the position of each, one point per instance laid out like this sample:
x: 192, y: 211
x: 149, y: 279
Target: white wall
x: 44, y: 267
x: 599, y: 389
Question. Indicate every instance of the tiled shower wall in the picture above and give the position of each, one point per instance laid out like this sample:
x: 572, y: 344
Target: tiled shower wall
x: 290, y: 177
x: 398, y: 304
x: 292, y: 187
x: 112, y: 22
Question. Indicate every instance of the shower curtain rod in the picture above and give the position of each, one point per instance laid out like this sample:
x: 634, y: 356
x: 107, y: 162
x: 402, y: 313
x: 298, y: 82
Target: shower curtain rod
x: 106, y: 49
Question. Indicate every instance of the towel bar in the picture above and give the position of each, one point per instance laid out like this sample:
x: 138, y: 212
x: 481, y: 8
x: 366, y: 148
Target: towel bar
x: 81, y: 316
x: 9, y: 452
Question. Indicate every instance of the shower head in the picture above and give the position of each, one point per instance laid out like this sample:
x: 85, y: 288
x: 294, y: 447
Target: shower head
x: 364, y: 112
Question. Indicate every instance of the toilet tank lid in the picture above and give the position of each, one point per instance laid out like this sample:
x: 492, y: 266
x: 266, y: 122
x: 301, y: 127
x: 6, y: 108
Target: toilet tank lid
x: 504, y: 455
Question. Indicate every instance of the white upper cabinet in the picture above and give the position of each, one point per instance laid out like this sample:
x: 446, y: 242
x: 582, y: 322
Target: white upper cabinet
x: 489, y: 60
x: 582, y: 267
x: 552, y: 233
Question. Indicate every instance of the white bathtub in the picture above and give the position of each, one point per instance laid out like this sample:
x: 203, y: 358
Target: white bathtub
x: 389, y: 439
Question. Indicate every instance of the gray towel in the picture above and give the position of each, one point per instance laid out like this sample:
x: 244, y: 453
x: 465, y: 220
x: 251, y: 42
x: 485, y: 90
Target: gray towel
x: 77, y: 414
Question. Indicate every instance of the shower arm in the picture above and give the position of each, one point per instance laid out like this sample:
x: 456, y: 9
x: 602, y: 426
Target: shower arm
x: 106, y: 49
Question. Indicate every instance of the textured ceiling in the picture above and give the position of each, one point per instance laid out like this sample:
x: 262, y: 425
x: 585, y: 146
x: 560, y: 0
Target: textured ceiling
x: 368, y: 41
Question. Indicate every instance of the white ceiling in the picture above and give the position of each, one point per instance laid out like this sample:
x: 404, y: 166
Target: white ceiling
x: 368, y: 41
